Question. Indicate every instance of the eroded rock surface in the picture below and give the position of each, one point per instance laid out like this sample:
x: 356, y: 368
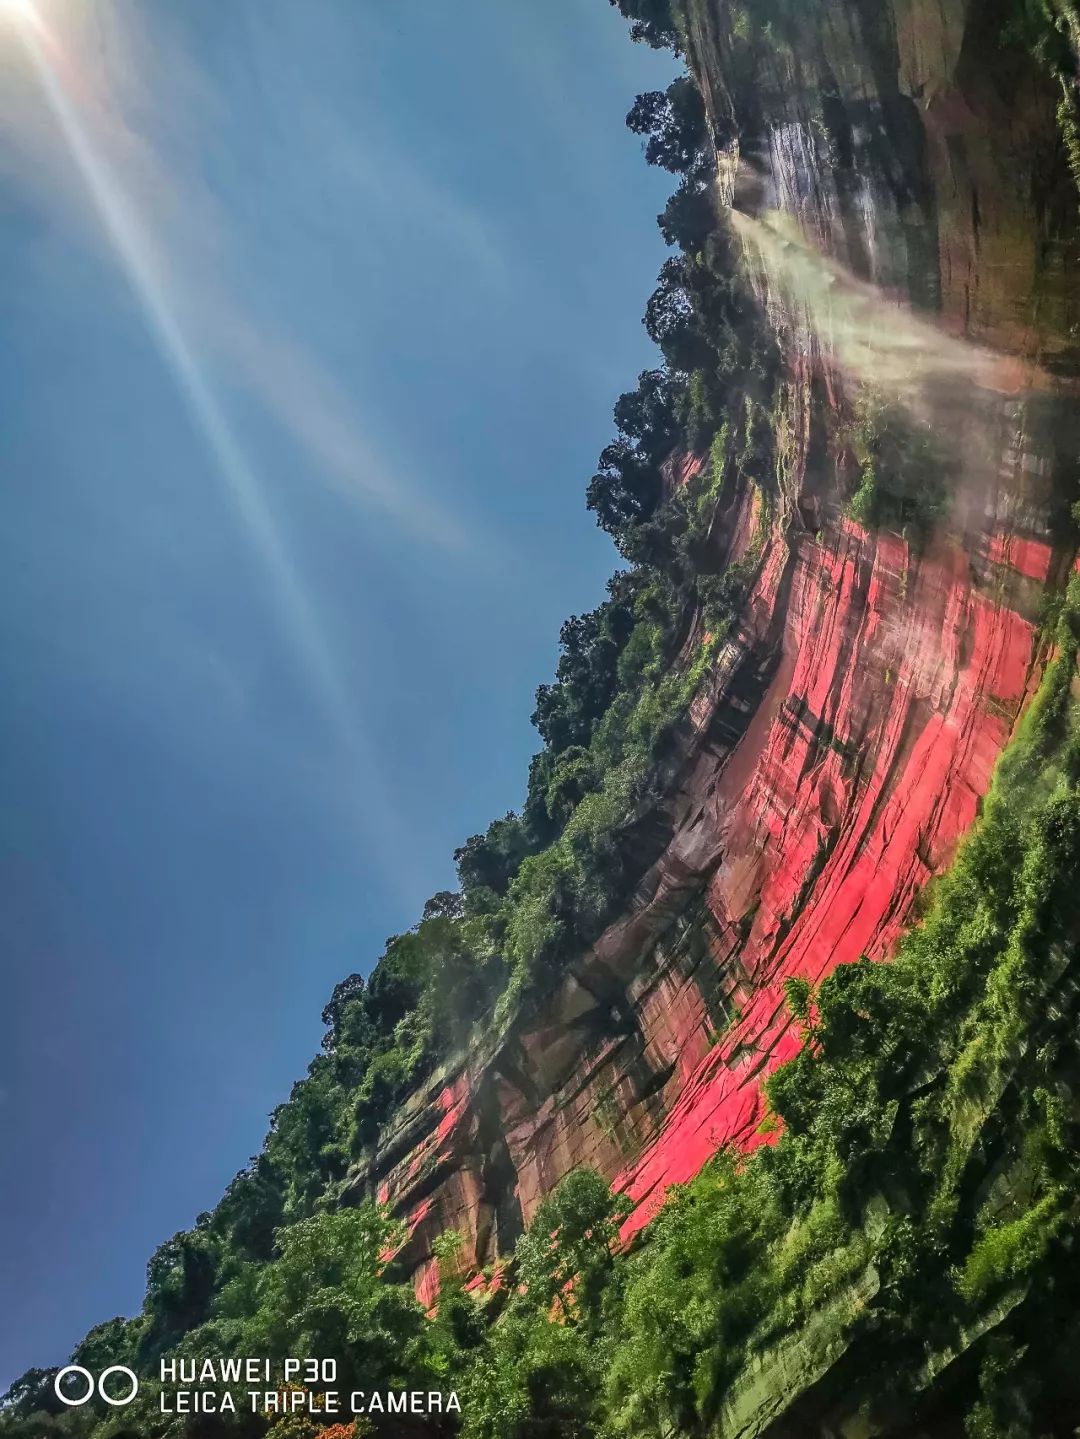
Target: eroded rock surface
x: 909, y: 221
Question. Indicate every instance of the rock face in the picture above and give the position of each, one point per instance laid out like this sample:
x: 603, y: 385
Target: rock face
x: 905, y: 209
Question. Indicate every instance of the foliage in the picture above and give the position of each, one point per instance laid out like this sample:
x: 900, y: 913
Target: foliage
x: 1050, y: 29
x: 653, y: 22
x: 673, y: 120
x: 568, y: 1255
x: 326, y: 1294
x: 904, y: 471
x: 884, y: 1110
x: 534, y: 1380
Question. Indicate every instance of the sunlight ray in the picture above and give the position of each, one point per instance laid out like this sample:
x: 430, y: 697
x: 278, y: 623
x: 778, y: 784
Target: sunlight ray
x: 134, y: 253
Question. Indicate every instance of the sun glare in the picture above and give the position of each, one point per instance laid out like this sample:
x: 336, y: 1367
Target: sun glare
x: 20, y: 10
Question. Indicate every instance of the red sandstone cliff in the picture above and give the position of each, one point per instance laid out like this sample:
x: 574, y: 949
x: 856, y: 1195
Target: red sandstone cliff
x: 854, y: 716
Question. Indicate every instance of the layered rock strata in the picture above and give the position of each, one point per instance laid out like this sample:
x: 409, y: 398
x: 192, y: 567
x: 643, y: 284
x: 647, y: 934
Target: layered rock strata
x: 899, y: 189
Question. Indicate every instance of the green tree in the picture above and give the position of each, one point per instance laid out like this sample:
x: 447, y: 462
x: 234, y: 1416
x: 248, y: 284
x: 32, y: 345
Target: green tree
x: 181, y: 1278
x: 673, y: 120
x: 32, y: 1393
x: 652, y: 22
x: 535, y: 1380
x: 328, y: 1294
x: 568, y: 1254
x: 487, y: 863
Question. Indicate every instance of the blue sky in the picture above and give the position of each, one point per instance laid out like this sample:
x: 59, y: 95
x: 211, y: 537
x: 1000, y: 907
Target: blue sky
x: 314, y: 316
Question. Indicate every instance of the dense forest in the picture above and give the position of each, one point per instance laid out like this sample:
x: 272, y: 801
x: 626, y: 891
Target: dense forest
x: 914, y: 1077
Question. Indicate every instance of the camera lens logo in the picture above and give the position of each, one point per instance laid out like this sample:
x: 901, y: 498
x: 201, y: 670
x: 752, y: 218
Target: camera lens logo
x: 96, y: 1386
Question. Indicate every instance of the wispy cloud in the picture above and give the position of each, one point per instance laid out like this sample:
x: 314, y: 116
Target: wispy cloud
x: 403, y: 196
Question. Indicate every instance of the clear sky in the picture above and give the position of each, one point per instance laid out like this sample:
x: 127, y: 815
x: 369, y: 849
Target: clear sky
x: 314, y: 312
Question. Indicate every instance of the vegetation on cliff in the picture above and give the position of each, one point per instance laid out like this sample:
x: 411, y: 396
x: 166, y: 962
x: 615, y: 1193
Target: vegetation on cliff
x: 913, y: 1212
x: 919, y: 1202
x: 538, y: 885
x: 904, y: 471
x: 925, y: 1182
x: 1051, y: 30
